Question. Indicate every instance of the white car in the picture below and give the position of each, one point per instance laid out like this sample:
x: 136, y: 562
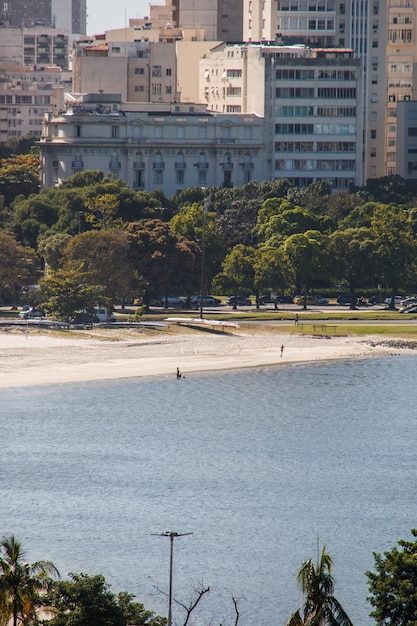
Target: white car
x: 397, y: 300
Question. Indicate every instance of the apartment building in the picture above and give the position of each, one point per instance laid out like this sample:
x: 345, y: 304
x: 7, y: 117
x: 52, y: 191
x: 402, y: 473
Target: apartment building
x: 406, y: 139
x: 154, y: 146
x: 26, y: 95
x: 36, y: 46
x: 381, y: 33
x: 310, y: 99
x: 69, y: 15
x: 141, y: 71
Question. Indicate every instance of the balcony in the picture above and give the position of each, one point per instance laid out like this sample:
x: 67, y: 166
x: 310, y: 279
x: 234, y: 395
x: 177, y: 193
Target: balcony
x: 138, y: 184
x: 115, y: 165
x: 227, y: 167
x: 201, y: 165
x: 248, y: 166
x: 180, y: 165
x: 158, y: 165
x: 138, y: 165
x: 77, y: 165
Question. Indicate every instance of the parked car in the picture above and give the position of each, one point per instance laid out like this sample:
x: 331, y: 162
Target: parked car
x: 32, y: 312
x: 307, y: 299
x: 345, y: 298
x: 102, y: 315
x: 84, y: 318
x: 408, y: 301
x: 397, y: 300
x: 284, y: 299
x: 266, y: 299
x: 411, y: 308
x: 172, y: 302
x: 240, y: 301
x: 321, y: 300
x: 207, y: 301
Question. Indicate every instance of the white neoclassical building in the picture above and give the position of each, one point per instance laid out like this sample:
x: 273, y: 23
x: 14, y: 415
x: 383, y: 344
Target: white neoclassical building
x: 153, y: 146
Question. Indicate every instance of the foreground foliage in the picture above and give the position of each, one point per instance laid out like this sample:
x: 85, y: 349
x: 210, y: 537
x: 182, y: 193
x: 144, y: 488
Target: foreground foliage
x: 393, y: 586
x: 320, y: 607
x: 21, y: 583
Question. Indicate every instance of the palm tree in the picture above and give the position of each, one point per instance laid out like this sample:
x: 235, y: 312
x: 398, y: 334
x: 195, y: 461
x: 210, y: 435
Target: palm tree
x: 21, y: 582
x: 320, y: 607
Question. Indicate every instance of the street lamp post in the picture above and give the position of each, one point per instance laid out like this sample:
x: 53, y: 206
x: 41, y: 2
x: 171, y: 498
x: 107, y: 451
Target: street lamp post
x: 171, y: 535
x: 203, y: 254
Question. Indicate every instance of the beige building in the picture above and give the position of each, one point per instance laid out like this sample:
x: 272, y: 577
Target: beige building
x: 381, y: 32
x: 37, y: 46
x: 68, y: 15
x: 310, y: 99
x: 141, y: 71
x: 159, y: 146
x: 26, y: 95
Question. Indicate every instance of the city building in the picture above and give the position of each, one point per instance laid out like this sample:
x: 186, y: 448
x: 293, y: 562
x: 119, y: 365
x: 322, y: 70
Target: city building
x: 154, y: 146
x: 26, y: 95
x: 406, y: 139
x: 141, y: 71
x: 68, y: 15
x: 310, y: 99
x: 36, y: 46
x: 380, y: 32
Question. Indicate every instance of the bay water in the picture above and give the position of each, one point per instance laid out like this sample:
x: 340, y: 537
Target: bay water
x: 262, y: 466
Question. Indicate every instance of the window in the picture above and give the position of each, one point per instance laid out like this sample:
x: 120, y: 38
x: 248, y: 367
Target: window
x: 168, y: 71
x: 373, y: 152
x: 140, y: 70
x: 202, y: 132
x: 158, y: 132
x: 412, y: 131
x: 180, y: 132
x: 202, y: 177
x: 77, y: 131
x: 156, y: 89
x: 114, y: 132
x: 140, y: 88
x: 158, y: 177
x: 156, y: 71
x: 168, y: 89
x: 180, y: 177
x: 373, y: 134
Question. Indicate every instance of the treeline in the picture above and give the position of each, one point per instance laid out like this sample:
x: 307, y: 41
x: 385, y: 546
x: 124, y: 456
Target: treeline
x: 32, y: 594
x: 100, y: 242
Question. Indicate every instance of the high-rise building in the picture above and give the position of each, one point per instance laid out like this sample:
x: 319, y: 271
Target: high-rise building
x: 310, y: 99
x: 380, y: 32
x: 70, y: 15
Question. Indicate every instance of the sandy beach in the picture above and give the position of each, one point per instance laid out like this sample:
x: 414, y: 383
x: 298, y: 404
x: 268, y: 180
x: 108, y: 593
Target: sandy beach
x: 35, y: 357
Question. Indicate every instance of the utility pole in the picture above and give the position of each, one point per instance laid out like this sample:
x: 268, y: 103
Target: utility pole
x: 203, y: 255
x: 171, y: 535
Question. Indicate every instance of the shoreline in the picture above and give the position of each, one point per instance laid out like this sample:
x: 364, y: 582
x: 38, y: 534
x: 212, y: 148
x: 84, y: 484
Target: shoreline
x: 38, y: 357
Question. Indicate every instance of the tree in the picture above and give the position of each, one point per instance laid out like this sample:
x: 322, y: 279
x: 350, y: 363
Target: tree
x: 102, y: 260
x: 21, y: 583
x: 63, y: 294
x: 272, y: 270
x: 16, y: 265
x: 102, y: 210
x: 320, y: 606
x: 395, y: 246
x: 307, y: 253
x: 394, y: 585
x: 238, y: 270
x: 19, y: 175
x: 88, y: 600
x: 52, y: 249
x: 352, y: 258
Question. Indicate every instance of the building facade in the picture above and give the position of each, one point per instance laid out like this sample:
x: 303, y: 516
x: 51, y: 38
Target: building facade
x: 37, y: 46
x: 70, y: 15
x: 26, y: 95
x: 310, y: 99
x: 152, y: 147
x: 141, y: 71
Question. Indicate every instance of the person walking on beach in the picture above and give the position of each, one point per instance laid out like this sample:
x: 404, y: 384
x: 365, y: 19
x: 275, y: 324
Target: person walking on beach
x: 296, y: 319
x: 282, y: 349
x: 178, y: 373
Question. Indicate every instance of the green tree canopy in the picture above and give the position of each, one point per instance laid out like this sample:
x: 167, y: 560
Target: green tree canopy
x: 17, y: 264
x: 87, y: 600
x: 19, y: 175
x: 101, y: 258
x: 317, y: 584
x: 393, y: 586
x: 21, y: 583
